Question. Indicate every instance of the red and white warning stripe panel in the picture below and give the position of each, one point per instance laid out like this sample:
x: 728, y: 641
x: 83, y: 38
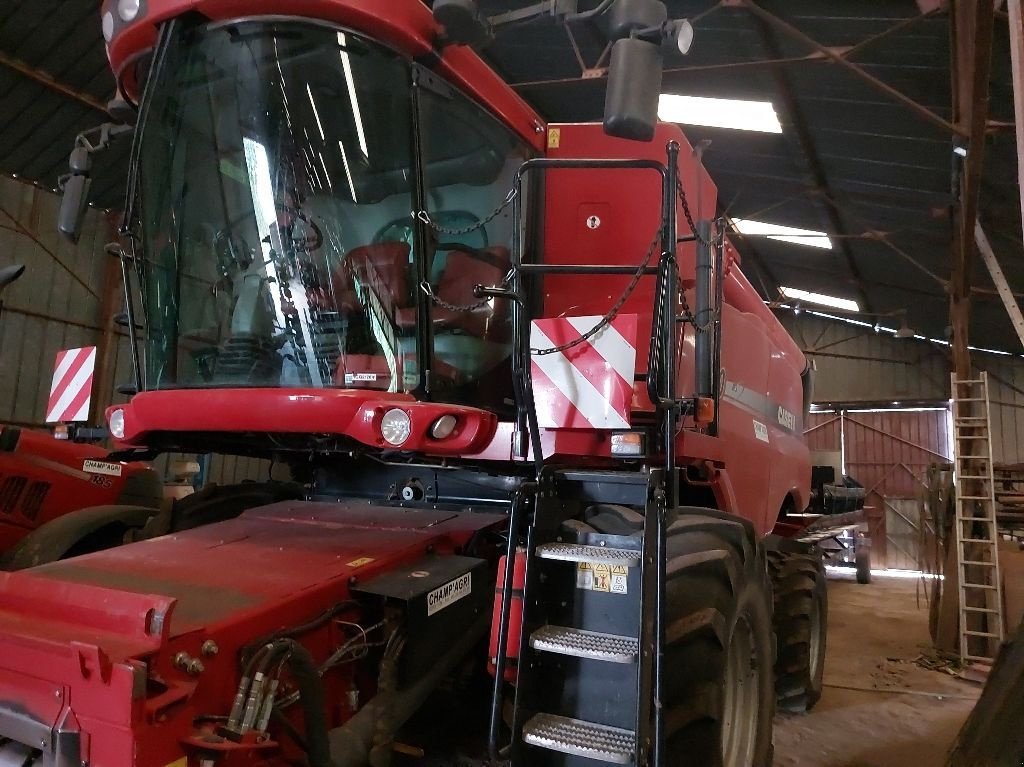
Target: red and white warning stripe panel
x: 589, y: 386
x: 71, y: 388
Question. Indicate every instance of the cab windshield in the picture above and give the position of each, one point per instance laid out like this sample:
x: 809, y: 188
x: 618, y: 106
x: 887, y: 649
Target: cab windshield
x: 279, y: 177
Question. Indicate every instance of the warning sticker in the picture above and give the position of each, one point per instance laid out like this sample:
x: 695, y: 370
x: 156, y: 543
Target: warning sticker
x: 554, y: 138
x: 760, y: 431
x: 600, y: 577
x: 360, y: 378
x: 360, y: 562
x: 449, y: 594
x: 102, y: 467
x: 620, y: 577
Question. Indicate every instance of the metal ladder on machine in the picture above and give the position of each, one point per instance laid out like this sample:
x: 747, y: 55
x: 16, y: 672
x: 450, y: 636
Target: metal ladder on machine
x: 977, y: 549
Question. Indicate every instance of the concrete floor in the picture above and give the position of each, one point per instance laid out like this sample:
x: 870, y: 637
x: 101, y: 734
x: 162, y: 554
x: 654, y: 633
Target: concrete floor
x: 899, y: 714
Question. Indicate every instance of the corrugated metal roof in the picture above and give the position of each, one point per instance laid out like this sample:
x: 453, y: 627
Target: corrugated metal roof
x: 868, y: 170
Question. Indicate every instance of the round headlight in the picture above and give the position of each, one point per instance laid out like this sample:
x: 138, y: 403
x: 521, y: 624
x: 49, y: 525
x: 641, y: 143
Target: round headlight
x: 443, y: 427
x: 116, y: 423
x: 127, y: 9
x: 108, y: 26
x: 395, y: 426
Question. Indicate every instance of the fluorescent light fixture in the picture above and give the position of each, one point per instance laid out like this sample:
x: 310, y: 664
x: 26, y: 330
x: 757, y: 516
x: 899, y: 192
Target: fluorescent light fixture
x: 719, y: 113
x: 316, y: 113
x: 808, y: 237
x: 820, y: 298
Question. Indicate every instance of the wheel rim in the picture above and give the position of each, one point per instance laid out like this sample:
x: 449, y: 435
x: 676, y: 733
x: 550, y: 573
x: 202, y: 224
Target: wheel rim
x: 814, y: 645
x: 741, y: 707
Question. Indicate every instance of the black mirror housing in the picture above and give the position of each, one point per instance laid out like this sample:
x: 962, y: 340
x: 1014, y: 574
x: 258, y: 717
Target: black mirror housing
x: 634, y: 88
x: 629, y: 16
x: 72, y: 206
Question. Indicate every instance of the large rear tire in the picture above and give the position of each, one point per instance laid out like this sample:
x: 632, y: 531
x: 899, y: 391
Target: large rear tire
x: 718, y: 662
x: 800, y: 621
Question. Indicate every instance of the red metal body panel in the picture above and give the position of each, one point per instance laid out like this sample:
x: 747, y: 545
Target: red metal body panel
x: 760, y: 444
x: 405, y: 25
x: 85, y: 627
x: 42, y: 479
x: 351, y: 412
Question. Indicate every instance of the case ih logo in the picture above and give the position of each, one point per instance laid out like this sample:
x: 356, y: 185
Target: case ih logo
x: 71, y: 388
x: 589, y: 386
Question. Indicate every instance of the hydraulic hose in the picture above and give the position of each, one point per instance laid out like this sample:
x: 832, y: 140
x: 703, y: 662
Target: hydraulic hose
x: 352, y: 742
x: 311, y: 697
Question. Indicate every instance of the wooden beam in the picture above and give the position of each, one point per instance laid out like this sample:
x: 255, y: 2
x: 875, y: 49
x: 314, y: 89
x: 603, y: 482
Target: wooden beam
x: 971, y: 47
x: 50, y: 82
x: 1016, y: 24
x: 989, y: 257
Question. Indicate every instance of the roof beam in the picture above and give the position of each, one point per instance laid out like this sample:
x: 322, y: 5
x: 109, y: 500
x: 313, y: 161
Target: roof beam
x: 819, y: 179
x: 51, y: 83
x: 839, y: 58
x: 1016, y: 23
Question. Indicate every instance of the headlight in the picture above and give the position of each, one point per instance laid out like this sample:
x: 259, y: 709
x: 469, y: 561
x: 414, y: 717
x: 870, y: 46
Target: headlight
x: 444, y: 426
x: 116, y: 423
x: 395, y: 426
x: 127, y: 9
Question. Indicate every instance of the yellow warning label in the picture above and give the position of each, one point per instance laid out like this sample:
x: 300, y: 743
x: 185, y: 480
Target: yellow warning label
x: 358, y: 563
x: 554, y: 138
x: 183, y: 762
x: 584, y: 576
x: 602, y: 578
x: 620, y: 577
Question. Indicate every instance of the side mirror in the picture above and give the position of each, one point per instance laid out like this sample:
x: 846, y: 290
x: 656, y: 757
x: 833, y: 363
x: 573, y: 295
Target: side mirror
x: 462, y: 21
x: 75, y: 195
x: 634, y: 87
x: 9, y: 274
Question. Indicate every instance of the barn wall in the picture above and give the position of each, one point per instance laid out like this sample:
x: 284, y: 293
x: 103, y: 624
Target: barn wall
x: 59, y: 304
x: 858, y: 366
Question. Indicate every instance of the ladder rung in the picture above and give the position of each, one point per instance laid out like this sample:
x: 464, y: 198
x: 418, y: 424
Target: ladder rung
x: 977, y: 540
x: 982, y: 520
x: 974, y: 497
x: 575, y: 552
x: 974, y: 458
x: 585, y: 644
x: 971, y: 418
x: 968, y: 399
x: 980, y: 610
x: 981, y: 634
x: 968, y: 380
x: 972, y: 436
x: 980, y: 564
x: 587, y: 739
x: 974, y: 476
x: 985, y: 586
x: 982, y: 658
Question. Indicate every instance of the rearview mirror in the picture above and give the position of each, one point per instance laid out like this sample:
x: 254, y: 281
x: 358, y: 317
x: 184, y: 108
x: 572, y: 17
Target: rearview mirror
x: 634, y: 86
x: 76, y: 195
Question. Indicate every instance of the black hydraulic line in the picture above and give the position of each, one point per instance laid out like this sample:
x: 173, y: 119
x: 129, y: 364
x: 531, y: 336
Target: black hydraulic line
x: 500, y: 661
x: 704, y: 314
x: 311, y: 698
x: 129, y: 308
x: 668, y: 352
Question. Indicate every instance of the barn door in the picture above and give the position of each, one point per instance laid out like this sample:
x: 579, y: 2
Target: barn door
x: 888, y: 452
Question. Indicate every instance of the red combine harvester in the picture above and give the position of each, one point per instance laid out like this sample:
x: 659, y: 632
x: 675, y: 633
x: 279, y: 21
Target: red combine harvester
x: 522, y: 403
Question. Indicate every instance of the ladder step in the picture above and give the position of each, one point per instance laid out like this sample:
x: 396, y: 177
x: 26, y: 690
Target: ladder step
x: 971, y: 418
x: 980, y: 564
x: 982, y: 520
x: 968, y: 399
x: 971, y: 436
x: 968, y: 380
x: 974, y: 457
x: 981, y: 634
x: 575, y: 552
x: 982, y: 658
x: 585, y: 644
x: 975, y: 497
x: 977, y: 540
x: 985, y: 586
x: 980, y: 610
x: 574, y: 736
x: 975, y: 476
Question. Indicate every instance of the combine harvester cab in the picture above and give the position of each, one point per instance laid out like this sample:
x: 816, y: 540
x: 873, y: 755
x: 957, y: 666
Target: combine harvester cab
x: 540, y: 404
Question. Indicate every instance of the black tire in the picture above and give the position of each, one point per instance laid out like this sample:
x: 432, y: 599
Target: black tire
x: 717, y: 599
x: 800, y: 620
x: 862, y: 557
x: 217, y: 503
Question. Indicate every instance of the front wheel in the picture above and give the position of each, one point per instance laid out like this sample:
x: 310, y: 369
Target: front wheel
x: 800, y: 620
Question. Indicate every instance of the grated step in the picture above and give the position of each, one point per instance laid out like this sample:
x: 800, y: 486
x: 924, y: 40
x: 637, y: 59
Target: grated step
x: 585, y: 644
x: 574, y: 736
x: 575, y: 552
